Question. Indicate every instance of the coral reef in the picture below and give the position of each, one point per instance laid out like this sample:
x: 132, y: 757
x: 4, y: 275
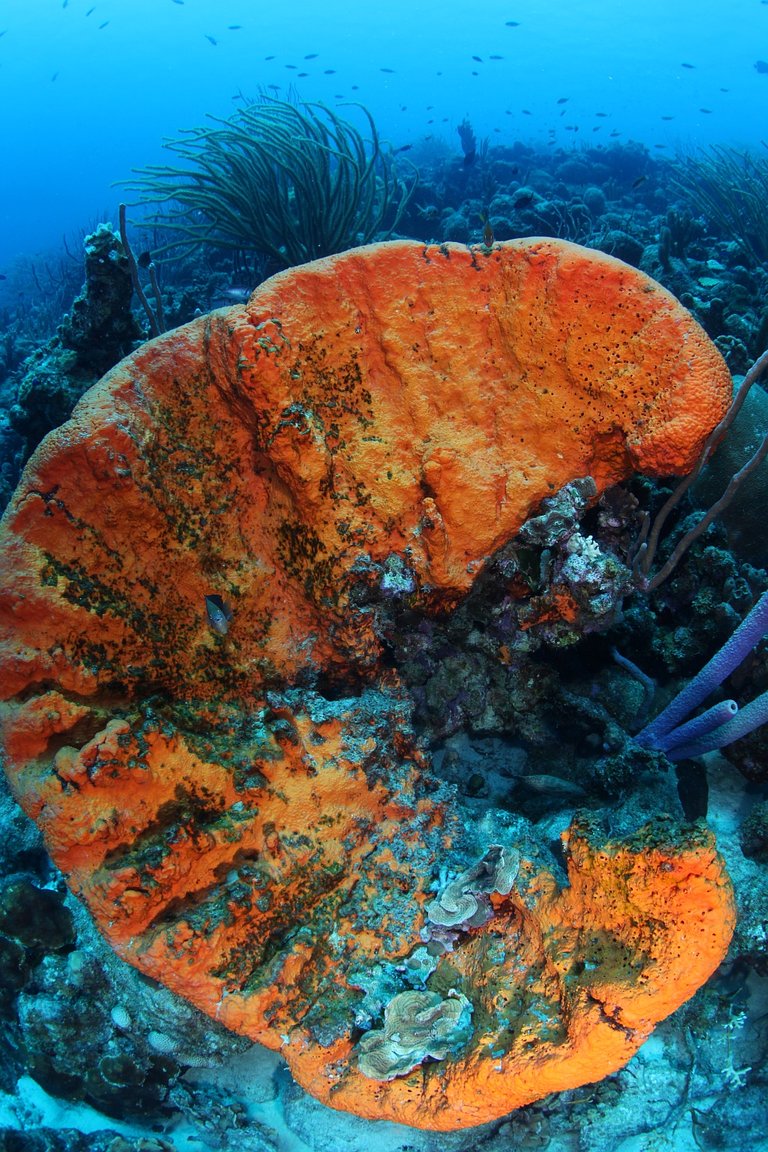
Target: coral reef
x: 246, y: 808
x: 97, y: 332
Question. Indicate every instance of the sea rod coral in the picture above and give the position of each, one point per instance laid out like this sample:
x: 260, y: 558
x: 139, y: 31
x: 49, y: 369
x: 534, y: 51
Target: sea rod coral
x: 247, y: 810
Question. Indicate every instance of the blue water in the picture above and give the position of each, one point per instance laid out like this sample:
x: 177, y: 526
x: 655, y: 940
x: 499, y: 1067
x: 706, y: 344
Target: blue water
x: 89, y: 90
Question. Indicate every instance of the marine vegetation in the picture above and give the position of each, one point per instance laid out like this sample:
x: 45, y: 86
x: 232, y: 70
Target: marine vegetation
x: 730, y: 188
x: 292, y: 180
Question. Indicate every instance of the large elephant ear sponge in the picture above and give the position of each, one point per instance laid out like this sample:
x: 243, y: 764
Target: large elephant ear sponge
x: 198, y: 714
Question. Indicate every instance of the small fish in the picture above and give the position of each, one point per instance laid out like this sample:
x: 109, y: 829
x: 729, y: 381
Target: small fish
x: 219, y: 614
x: 761, y: 66
x: 615, y: 133
x: 54, y: 77
x: 103, y: 25
x: 3, y: 276
x: 706, y: 111
x: 390, y: 70
x: 603, y: 114
x: 211, y: 39
x: 312, y: 56
x: 640, y: 180
x: 527, y: 112
x: 563, y: 99
x: 301, y: 75
x: 495, y: 57
x: 269, y: 57
x: 292, y: 66
x: 234, y: 27
x: 687, y: 65
x: 65, y: 3
x: 329, y: 72
x: 90, y: 10
x: 178, y: 1
x: 402, y: 148
x: 516, y: 23
x: 667, y: 117
x: 144, y: 259
x: 488, y: 236
x: 479, y: 59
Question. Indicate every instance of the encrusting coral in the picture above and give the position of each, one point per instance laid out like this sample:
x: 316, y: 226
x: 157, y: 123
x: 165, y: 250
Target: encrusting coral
x: 245, y: 808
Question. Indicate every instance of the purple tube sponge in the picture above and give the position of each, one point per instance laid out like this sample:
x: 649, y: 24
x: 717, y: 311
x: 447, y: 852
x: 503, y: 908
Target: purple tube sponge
x: 723, y: 723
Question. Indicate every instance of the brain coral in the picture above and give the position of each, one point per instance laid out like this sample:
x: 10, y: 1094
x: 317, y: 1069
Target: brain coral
x: 240, y: 798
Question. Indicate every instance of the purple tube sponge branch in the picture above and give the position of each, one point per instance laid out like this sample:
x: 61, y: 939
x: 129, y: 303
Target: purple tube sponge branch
x: 680, y: 738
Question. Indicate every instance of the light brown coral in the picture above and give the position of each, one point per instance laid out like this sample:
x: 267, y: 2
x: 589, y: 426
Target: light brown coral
x: 258, y: 845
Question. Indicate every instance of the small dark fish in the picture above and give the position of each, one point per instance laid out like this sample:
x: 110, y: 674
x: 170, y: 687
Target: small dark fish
x: 526, y: 112
x: 90, y: 10
x: 390, y: 70
x: 403, y: 148
x: 355, y: 87
x: 312, y: 56
x: 65, y: 3
x: 707, y: 111
x: 761, y: 66
x: 495, y: 57
x: 269, y: 57
x: 219, y: 614
x: 3, y: 32
x: 301, y: 75
x: 103, y: 25
x: 725, y: 89
x: 516, y: 23
x: 3, y: 276
x: 144, y: 259
x: 563, y: 99
x: 687, y: 65
x: 667, y: 117
x: 211, y: 39
x: 329, y: 72
x: 475, y: 73
x: 488, y: 236
x: 479, y: 59
x: 640, y: 180
x: 292, y: 66
x: 54, y: 77
x: 234, y: 27
x: 178, y: 1
x: 603, y: 114
x: 615, y: 133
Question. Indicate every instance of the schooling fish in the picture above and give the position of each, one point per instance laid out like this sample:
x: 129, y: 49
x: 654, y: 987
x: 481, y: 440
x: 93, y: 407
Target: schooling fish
x: 687, y: 65
x: 761, y: 66
x: 516, y: 23
x: 211, y: 39
x: 312, y: 56
x: 103, y: 25
x: 219, y: 614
